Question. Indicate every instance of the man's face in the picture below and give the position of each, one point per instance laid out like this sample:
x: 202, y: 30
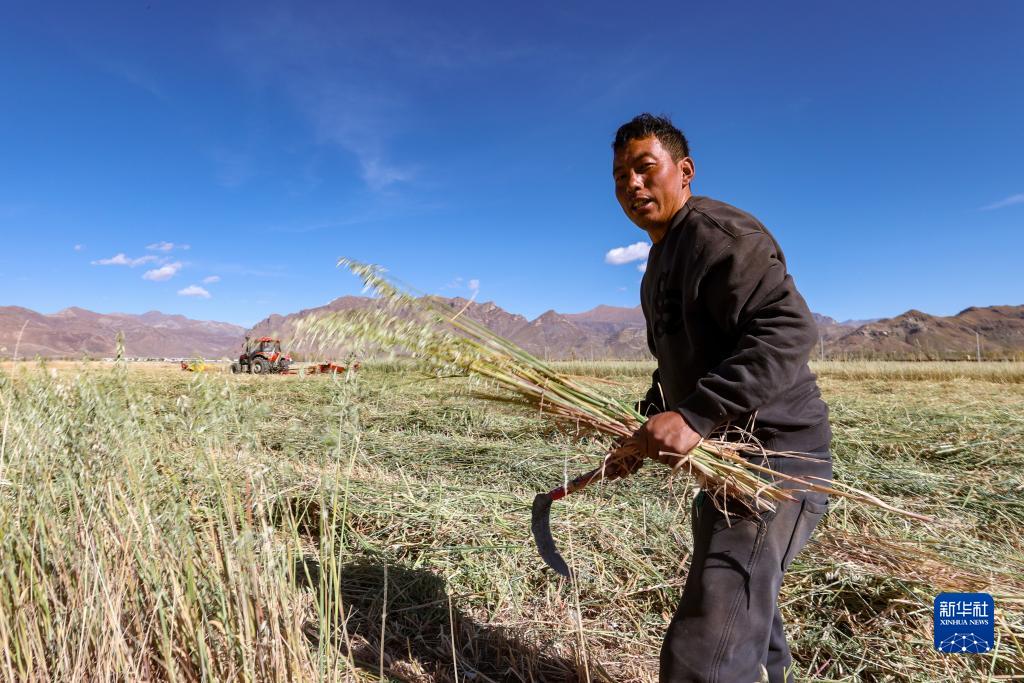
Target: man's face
x: 649, y: 185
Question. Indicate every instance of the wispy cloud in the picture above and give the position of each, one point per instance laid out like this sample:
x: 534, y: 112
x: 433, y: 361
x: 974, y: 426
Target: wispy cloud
x: 634, y: 252
x: 379, y: 175
x: 474, y: 286
x: 164, y: 272
x: 135, y: 75
x: 166, y: 246
x: 194, y: 290
x: 120, y: 259
x: 334, y: 74
x: 356, y: 75
x: 365, y: 211
x: 79, y: 247
x: 211, y: 279
x: 358, y: 120
x: 240, y: 270
x: 1003, y: 203
x: 233, y: 169
x: 642, y: 267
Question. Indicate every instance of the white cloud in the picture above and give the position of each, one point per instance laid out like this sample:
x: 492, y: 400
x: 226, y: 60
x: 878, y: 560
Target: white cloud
x: 79, y: 247
x: 634, y: 252
x: 461, y: 283
x: 165, y: 272
x: 116, y: 260
x: 211, y: 279
x: 120, y: 259
x: 194, y: 290
x: 1003, y: 203
x: 454, y: 284
x: 166, y: 246
x: 642, y: 267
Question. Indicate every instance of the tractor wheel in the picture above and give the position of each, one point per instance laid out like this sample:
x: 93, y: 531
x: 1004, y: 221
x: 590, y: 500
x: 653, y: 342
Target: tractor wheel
x: 260, y: 366
x: 235, y: 368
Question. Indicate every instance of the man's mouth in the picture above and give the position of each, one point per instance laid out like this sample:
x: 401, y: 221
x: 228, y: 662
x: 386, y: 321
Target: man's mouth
x: 640, y: 202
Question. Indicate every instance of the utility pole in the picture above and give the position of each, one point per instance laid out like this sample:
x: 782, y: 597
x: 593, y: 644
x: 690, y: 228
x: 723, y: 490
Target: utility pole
x: 977, y: 341
x: 821, y: 344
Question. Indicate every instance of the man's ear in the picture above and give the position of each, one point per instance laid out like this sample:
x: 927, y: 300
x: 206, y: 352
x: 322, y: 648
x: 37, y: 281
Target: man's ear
x: 686, y: 169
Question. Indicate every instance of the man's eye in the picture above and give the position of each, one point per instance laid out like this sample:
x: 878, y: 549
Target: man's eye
x: 644, y: 167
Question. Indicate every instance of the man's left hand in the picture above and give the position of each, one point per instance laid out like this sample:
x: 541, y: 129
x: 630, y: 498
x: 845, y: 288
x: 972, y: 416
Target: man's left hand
x: 666, y: 433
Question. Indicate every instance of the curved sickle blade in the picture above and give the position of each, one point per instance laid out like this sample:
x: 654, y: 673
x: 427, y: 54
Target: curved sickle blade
x: 540, y: 524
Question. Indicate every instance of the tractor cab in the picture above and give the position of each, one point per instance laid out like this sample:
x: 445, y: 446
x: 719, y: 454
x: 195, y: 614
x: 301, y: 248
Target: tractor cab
x: 262, y: 355
x: 264, y: 345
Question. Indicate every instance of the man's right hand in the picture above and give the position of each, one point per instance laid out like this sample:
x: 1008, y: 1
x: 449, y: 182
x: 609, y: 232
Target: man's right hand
x: 665, y: 435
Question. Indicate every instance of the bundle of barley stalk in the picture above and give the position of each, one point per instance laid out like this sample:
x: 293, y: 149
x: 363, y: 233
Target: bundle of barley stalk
x: 450, y: 343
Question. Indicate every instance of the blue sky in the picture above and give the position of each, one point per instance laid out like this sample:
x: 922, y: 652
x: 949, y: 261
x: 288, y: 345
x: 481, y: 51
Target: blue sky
x: 150, y: 153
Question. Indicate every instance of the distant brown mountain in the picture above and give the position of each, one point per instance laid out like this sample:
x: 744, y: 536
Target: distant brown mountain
x: 602, y: 332
x: 998, y: 331
x: 830, y: 329
x: 618, y: 332
x: 610, y: 314
x: 76, y: 332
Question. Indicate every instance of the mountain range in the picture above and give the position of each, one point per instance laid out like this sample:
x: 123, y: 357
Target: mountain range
x: 603, y: 332
x: 997, y: 332
x: 76, y: 332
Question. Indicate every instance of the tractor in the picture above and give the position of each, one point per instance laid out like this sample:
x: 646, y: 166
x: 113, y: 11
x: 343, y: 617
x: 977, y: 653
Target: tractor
x: 262, y: 356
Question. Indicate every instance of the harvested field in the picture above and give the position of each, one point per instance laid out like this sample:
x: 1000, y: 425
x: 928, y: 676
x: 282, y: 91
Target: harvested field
x: 157, y: 524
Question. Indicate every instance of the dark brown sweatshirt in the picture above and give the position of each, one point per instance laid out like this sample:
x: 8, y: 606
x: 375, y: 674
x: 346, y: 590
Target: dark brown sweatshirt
x: 730, y: 331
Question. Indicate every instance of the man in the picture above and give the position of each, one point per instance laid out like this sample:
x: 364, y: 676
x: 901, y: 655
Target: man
x: 732, y: 337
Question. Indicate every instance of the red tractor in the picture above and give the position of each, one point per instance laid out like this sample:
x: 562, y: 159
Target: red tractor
x: 262, y: 356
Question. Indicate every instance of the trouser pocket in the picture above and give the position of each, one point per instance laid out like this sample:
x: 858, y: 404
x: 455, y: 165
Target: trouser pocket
x: 812, y: 509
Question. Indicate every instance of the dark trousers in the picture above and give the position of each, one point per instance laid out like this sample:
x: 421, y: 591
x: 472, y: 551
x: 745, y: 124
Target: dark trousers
x: 727, y: 625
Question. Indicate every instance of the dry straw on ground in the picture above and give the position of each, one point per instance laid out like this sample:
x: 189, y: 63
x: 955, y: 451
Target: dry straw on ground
x: 159, y: 525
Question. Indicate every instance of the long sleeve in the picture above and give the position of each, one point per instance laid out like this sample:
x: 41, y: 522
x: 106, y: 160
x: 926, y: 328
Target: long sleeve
x: 653, y: 402
x: 750, y: 296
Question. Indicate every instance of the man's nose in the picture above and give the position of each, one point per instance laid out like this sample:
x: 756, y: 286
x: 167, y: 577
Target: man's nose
x: 633, y: 182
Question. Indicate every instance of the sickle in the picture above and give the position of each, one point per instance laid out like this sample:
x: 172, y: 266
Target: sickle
x: 540, y: 522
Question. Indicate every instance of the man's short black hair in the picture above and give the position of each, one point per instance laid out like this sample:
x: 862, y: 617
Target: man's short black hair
x: 644, y: 126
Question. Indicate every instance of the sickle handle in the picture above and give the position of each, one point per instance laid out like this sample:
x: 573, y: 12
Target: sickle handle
x: 577, y: 483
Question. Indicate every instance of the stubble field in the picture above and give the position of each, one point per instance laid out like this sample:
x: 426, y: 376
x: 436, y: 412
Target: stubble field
x: 163, y: 525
